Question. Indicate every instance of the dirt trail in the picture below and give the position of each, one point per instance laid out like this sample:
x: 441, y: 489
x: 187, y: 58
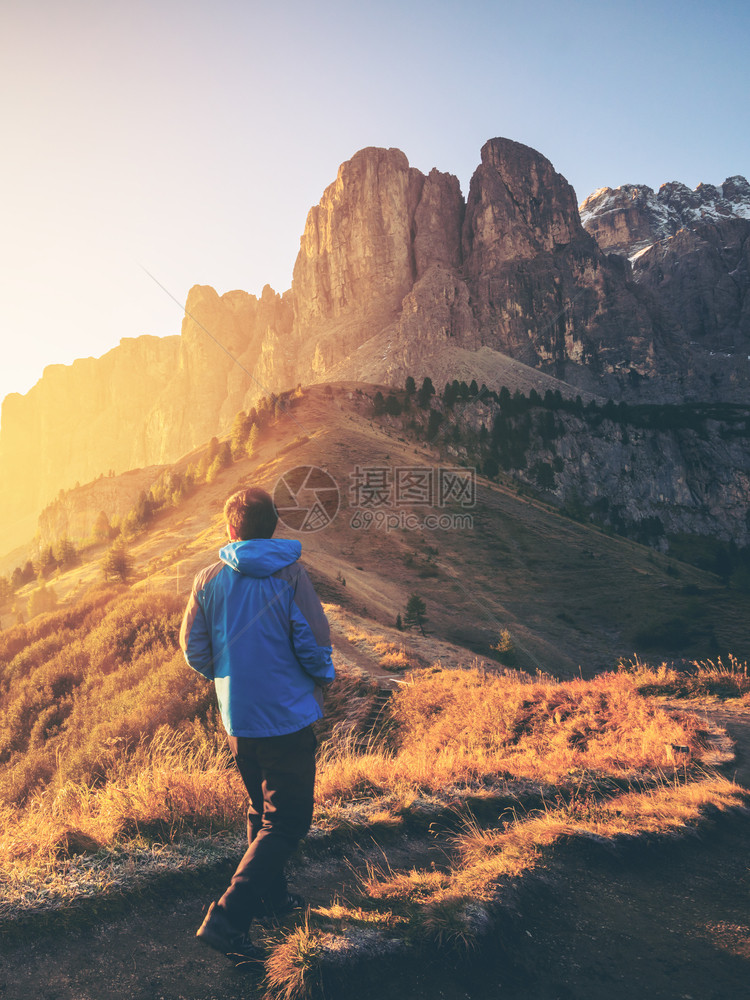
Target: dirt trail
x: 669, y: 925
x: 348, y: 651
x: 735, y: 718
x: 151, y: 953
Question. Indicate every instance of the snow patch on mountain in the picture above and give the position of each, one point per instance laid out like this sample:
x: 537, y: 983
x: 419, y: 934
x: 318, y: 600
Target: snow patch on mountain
x: 629, y: 218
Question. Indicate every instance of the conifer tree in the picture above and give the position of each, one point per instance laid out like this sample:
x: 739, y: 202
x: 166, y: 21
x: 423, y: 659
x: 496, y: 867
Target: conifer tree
x: 42, y: 599
x: 505, y: 648
x: 426, y: 393
x: 240, y: 431
x: 117, y: 563
x: 433, y: 423
x: 222, y: 460
x: 415, y: 613
x: 252, y: 441
x: 66, y: 554
x: 451, y: 393
x: 392, y: 405
x: 47, y: 561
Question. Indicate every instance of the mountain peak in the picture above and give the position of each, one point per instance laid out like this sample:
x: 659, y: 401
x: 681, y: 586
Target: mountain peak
x: 628, y: 218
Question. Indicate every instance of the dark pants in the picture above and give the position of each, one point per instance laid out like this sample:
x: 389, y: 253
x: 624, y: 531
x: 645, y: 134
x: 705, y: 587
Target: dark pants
x: 279, y: 775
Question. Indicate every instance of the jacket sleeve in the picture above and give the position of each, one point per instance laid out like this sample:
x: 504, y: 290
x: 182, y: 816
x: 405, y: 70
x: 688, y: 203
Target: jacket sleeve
x: 195, y: 638
x: 310, y: 632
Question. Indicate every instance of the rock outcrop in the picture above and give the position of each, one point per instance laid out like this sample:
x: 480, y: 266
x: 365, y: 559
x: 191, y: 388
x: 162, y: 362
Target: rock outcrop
x: 74, y: 513
x: 689, y: 482
x: 702, y: 276
x: 356, y: 255
x: 648, y: 472
x: 381, y: 246
x: 396, y: 273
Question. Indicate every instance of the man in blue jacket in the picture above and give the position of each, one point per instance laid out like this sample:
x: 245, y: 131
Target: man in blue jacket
x: 255, y: 626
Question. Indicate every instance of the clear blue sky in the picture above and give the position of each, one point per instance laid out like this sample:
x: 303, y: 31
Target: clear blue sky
x: 192, y: 138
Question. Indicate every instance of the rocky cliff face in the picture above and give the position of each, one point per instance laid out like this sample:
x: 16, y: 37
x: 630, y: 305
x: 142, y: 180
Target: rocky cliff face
x: 648, y: 472
x: 356, y: 254
x: 685, y: 481
x: 398, y: 275
x: 541, y: 289
x: 80, y: 420
x: 396, y: 262
x: 73, y: 514
x: 382, y: 246
x: 223, y: 342
x: 690, y: 253
x: 146, y: 402
x: 626, y: 219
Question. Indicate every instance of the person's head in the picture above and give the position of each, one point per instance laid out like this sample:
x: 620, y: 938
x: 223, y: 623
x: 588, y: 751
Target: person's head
x: 250, y: 514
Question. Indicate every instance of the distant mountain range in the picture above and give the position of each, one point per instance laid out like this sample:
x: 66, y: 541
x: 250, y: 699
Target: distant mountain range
x: 642, y: 297
x: 629, y: 219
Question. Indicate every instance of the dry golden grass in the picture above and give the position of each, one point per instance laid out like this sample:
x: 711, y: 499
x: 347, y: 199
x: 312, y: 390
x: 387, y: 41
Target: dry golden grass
x: 112, y: 756
x: 469, y: 729
x: 393, y: 657
x: 355, y: 634
x: 88, y: 686
x: 579, y: 741
x: 386, y: 653
x: 664, y: 809
x: 692, y: 678
x: 136, y: 760
x: 541, y: 729
x: 82, y: 840
x: 170, y: 787
x: 452, y: 909
x: 292, y: 969
x: 348, y: 702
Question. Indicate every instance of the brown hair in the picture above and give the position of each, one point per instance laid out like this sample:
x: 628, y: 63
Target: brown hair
x: 251, y: 513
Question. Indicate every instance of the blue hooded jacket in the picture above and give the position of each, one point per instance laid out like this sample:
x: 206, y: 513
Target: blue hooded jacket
x: 255, y: 626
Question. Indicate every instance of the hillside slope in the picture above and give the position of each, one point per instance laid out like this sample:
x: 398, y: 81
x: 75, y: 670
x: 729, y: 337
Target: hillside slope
x: 535, y: 752
x: 572, y: 597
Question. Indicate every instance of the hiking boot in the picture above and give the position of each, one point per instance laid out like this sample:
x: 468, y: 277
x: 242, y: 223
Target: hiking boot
x: 218, y: 932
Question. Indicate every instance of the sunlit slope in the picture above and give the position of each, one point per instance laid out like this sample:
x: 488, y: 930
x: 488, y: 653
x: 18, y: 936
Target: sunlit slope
x: 570, y: 596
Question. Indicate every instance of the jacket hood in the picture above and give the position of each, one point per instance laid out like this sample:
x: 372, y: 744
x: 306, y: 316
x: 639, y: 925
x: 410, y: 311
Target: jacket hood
x: 261, y: 556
